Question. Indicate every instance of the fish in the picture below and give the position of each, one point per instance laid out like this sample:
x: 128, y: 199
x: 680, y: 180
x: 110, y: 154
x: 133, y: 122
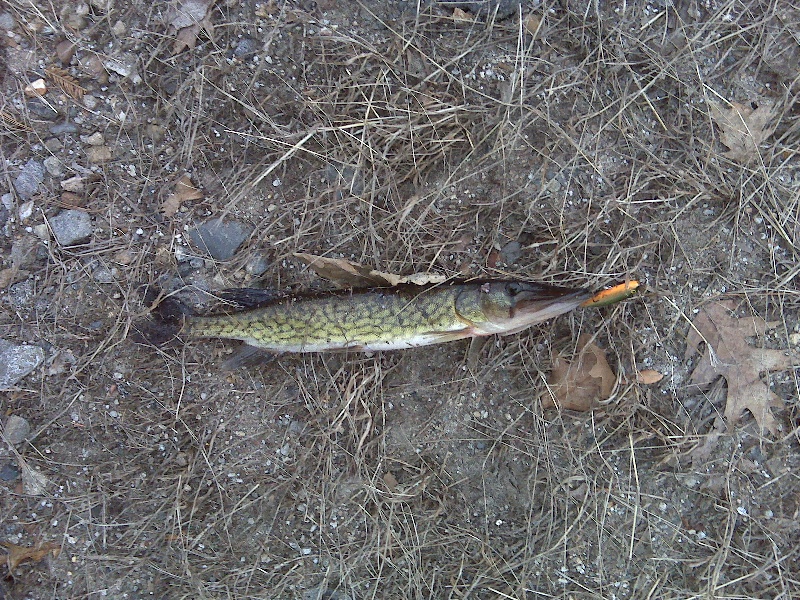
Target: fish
x: 378, y: 319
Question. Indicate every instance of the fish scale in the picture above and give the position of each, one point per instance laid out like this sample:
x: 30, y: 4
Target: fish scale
x: 388, y: 318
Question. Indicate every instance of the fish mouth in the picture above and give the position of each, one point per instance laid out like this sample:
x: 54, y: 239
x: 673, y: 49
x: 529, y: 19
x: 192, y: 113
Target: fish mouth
x: 545, y: 302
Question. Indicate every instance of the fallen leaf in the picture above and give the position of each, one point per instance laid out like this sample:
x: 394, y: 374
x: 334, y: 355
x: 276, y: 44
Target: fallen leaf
x: 184, y: 191
x: 188, y: 18
x: 66, y: 82
x: 744, y: 128
x: 583, y: 383
x: 728, y: 354
x: 34, y: 483
x: 348, y: 274
x: 649, y: 376
x: 532, y: 23
x: 16, y: 555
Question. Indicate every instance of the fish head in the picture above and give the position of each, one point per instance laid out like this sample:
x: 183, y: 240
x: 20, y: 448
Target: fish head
x: 510, y: 306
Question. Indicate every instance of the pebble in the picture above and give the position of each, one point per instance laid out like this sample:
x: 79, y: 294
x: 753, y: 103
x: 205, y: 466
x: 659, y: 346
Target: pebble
x: 26, y: 210
x: 103, y: 274
x: 220, y: 239
x: 27, y: 182
x: 16, y: 430
x: 90, y: 102
x: 257, y: 264
x: 511, y: 252
x: 98, y: 154
x: 9, y: 472
x: 96, y: 139
x: 17, y: 361
x: 71, y: 227
x: 21, y: 295
x: 53, y: 166
x: 41, y: 109
x: 65, y: 50
x: 64, y: 128
x: 124, y: 65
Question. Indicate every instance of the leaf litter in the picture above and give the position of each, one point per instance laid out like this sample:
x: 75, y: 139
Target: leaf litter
x: 349, y: 274
x: 582, y: 384
x: 188, y: 18
x: 744, y: 128
x: 728, y: 353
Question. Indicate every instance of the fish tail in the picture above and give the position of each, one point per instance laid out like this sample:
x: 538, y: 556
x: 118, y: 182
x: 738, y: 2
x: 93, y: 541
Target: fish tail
x: 163, y: 325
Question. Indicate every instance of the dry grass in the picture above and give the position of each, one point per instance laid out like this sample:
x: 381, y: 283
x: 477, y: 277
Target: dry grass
x: 413, y: 143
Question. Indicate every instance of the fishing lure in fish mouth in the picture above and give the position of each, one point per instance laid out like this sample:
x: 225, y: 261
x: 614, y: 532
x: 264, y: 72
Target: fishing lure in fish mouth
x: 371, y: 319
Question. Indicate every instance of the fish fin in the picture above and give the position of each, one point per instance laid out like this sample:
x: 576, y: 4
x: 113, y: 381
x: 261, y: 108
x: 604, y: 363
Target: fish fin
x: 248, y: 298
x: 165, y: 321
x: 247, y: 356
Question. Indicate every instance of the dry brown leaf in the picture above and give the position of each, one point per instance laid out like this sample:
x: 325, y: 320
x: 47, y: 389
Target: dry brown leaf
x: 583, y: 383
x: 649, y: 376
x: 744, y: 128
x: 348, y: 274
x: 727, y: 353
x: 66, y: 82
x: 16, y: 555
x: 188, y: 18
x: 184, y: 191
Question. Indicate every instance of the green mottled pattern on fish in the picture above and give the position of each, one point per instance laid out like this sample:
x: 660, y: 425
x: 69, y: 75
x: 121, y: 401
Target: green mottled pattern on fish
x: 388, y: 318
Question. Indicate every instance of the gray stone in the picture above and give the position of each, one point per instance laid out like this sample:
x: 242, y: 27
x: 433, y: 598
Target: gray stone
x: 71, y: 227
x: 257, y: 264
x: 220, y: 239
x: 16, y: 430
x: 42, y: 109
x: 17, y: 361
x: 21, y: 295
x: 27, y: 182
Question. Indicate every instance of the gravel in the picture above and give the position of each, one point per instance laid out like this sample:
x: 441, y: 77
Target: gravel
x: 220, y: 238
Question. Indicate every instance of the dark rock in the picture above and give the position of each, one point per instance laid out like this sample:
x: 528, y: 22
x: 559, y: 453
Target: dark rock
x: 16, y: 430
x: 220, y: 239
x: 64, y: 128
x: 42, y: 109
x: 9, y: 472
x: 71, y: 227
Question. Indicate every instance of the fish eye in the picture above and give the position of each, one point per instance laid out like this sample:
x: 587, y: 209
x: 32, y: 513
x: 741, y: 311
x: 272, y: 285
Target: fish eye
x: 514, y: 289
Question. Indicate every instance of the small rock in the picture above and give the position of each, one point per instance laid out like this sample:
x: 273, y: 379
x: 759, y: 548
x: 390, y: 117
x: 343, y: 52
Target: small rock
x: 246, y: 47
x: 71, y: 227
x: 257, y: 264
x: 220, y: 239
x: 26, y: 210
x: 7, y: 21
x: 65, y: 50
x: 17, y: 361
x: 124, y: 65
x: 90, y: 102
x: 124, y: 257
x: 21, y: 295
x: 53, y: 166
x: 23, y: 251
x: 510, y: 253
x: 119, y: 29
x: 35, y: 89
x: 103, y: 274
x: 98, y: 154
x: 27, y: 182
x: 73, y: 184
x: 16, y: 430
x: 42, y: 231
x: 64, y: 128
x: 9, y: 472
x: 96, y: 139
x: 41, y: 109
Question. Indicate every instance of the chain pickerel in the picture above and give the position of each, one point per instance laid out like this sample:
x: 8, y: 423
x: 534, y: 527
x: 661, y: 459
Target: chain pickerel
x: 371, y: 319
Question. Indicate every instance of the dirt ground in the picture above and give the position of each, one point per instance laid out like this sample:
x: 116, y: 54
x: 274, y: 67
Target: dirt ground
x: 569, y: 142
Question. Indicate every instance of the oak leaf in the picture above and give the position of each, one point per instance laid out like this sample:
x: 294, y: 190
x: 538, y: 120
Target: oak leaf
x: 582, y: 384
x: 727, y: 353
x: 744, y: 128
x: 184, y: 191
